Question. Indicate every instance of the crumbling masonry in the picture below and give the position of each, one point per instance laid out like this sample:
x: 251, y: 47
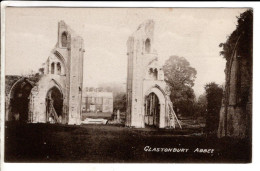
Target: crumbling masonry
x: 147, y: 100
x: 56, y: 96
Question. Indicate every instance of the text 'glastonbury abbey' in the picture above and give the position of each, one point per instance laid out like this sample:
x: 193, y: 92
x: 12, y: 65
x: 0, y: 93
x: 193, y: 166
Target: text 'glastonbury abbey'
x: 177, y: 150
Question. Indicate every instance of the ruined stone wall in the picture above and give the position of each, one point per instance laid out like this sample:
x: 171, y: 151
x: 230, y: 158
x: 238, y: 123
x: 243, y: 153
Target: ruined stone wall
x: 12, y: 84
x: 37, y: 112
x: 9, y: 82
x: 70, y: 49
x: 236, y: 110
x: 75, y: 80
x: 136, y: 54
x: 63, y: 70
x: 141, y: 58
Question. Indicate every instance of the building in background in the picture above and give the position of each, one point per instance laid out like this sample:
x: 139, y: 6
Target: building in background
x: 97, y: 100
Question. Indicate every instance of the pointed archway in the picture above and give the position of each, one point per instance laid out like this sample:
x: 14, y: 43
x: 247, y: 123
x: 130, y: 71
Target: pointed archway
x: 155, y: 107
x: 152, y: 110
x: 54, y: 105
x: 18, y: 106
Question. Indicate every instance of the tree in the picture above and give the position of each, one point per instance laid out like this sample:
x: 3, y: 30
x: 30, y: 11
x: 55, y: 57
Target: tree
x: 214, y: 97
x: 201, y: 106
x: 242, y: 36
x: 180, y: 77
x: 120, y: 102
x: 119, y: 94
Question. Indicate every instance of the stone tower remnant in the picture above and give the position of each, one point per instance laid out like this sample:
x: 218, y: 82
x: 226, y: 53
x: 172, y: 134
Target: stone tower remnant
x: 147, y: 101
x: 56, y: 96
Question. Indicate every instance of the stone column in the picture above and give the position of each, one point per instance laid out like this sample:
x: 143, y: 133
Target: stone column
x: 118, y: 115
x: 55, y: 68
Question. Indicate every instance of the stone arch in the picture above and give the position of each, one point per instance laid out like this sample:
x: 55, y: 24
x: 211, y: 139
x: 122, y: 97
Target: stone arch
x: 157, y: 92
x: 147, y: 45
x: 54, y: 98
x: 17, y: 104
x: 38, y: 103
x: 56, y: 84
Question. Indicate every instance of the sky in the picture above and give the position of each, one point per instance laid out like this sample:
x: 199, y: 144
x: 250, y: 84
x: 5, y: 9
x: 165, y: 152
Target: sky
x: 192, y: 33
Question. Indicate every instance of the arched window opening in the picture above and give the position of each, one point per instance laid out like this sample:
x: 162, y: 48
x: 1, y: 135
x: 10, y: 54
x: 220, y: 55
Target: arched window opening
x: 58, y: 68
x: 153, y: 74
x: 64, y: 39
x: 147, y: 46
x: 52, y: 68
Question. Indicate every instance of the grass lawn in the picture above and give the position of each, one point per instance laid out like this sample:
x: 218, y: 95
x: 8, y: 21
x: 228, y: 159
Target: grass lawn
x: 115, y: 143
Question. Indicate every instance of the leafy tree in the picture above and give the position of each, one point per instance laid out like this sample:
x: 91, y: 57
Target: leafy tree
x: 242, y: 36
x: 201, y: 106
x: 180, y: 77
x: 120, y: 102
x: 112, y: 87
x: 214, y: 97
x: 119, y: 94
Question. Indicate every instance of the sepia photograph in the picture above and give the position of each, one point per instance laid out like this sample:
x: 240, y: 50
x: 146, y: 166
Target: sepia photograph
x: 127, y: 85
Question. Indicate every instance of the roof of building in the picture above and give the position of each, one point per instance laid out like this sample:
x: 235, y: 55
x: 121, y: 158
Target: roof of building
x: 97, y: 94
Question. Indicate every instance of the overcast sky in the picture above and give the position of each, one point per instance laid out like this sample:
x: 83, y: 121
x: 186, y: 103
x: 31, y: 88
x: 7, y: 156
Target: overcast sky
x: 195, y: 34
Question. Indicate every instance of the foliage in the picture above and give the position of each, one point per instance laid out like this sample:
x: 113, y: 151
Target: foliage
x: 178, y: 72
x: 119, y: 95
x: 180, y: 77
x: 243, y: 33
x: 120, y: 102
x: 214, y: 97
x: 112, y: 87
x: 33, y: 76
x: 201, y: 106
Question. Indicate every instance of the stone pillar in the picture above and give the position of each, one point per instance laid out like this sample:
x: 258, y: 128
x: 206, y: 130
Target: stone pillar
x: 162, y: 116
x: 7, y: 109
x: 55, y: 68
x: 118, y: 115
x: 49, y: 68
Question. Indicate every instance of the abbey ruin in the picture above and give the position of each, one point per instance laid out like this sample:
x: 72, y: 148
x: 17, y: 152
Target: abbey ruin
x: 56, y: 96
x: 148, y: 102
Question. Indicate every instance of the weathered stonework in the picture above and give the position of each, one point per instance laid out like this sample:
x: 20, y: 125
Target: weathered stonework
x: 145, y: 81
x: 62, y: 74
x: 236, y: 110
